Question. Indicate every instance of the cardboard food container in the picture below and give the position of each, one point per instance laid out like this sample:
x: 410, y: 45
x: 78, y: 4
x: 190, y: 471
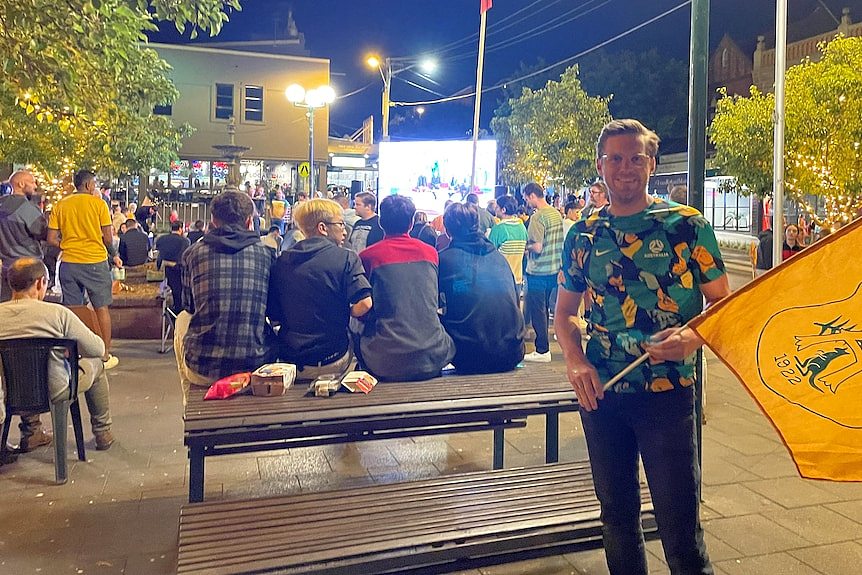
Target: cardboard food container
x: 359, y: 381
x: 272, y: 379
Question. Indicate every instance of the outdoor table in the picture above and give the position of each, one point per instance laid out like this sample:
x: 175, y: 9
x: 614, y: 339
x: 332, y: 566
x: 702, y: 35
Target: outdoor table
x: 449, y: 404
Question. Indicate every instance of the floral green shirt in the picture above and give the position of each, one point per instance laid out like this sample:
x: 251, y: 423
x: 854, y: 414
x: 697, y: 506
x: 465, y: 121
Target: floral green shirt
x: 643, y: 272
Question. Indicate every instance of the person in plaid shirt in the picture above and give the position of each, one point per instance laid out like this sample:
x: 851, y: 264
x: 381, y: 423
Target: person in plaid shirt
x: 544, y: 256
x: 223, y: 328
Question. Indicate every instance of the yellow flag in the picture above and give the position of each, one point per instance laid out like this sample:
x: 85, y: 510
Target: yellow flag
x: 793, y: 337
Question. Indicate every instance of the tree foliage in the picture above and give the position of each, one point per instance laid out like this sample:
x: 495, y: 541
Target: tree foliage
x: 823, y: 115
x: 80, y: 84
x: 643, y: 85
x: 549, y: 134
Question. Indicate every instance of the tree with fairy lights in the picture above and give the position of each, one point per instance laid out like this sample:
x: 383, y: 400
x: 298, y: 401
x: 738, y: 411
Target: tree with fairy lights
x: 823, y: 137
x: 79, y: 83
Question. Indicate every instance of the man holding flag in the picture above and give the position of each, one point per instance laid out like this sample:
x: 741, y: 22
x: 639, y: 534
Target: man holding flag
x: 646, y: 263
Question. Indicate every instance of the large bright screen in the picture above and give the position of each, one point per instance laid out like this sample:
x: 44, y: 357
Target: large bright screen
x: 432, y: 172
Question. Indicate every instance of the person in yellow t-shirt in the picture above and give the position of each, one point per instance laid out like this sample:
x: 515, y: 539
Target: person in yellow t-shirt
x: 81, y: 227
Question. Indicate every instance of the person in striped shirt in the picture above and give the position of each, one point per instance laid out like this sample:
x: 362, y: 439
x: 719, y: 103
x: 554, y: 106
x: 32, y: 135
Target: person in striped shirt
x: 510, y: 237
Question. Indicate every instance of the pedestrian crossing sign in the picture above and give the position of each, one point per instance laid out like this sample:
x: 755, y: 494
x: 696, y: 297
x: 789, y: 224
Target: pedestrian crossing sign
x: 304, y: 169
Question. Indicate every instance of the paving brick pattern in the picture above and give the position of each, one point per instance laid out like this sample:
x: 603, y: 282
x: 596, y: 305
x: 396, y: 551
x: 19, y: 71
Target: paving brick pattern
x: 119, y: 512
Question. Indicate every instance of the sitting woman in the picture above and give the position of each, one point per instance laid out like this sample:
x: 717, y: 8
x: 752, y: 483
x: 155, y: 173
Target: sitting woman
x: 478, y: 298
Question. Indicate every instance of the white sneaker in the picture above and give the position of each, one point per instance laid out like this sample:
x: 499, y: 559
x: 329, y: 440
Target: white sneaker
x: 111, y: 362
x: 538, y: 357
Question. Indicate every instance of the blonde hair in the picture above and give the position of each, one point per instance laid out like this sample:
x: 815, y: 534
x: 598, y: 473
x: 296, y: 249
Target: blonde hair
x: 308, y: 214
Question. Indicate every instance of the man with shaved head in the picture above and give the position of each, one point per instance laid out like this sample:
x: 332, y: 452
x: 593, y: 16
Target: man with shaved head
x: 22, y: 227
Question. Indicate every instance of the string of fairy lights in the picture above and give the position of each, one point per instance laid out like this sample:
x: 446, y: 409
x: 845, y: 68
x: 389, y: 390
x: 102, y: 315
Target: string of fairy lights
x: 839, y: 206
x: 55, y: 181
x: 54, y: 186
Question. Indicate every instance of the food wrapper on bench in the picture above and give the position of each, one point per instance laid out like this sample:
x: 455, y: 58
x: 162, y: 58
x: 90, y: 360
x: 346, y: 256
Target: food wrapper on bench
x: 228, y: 386
x: 272, y: 379
x: 356, y: 381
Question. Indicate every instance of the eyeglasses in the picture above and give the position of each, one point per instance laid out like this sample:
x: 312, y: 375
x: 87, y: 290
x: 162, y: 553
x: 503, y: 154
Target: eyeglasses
x: 342, y: 224
x: 616, y: 160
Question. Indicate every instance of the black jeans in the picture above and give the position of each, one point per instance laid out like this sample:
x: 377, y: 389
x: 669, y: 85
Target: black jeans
x: 538, y: 301
x: 661, y: 427
x: 174, y: 275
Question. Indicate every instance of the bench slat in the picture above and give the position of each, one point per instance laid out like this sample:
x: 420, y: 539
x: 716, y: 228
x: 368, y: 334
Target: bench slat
x: 449, y: 506
x: 360, y: 526
x: 579, y: 471
x: 275, y: 556
x: 493, y: 388
x: 410, y: 527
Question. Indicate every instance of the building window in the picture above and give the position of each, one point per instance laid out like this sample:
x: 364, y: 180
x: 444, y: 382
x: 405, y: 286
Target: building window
x: 224, y: 101
x: 165, y: 110
x: 254, y: 103
x: 725, y: 58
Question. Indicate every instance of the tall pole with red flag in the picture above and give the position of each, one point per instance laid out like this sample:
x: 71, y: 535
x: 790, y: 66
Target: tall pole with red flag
x: 484, y: 6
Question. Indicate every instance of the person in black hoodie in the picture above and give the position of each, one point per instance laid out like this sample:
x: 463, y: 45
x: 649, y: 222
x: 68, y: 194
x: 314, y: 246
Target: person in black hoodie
x: 223, y: 328
x: 478, y: 298
x: 315, y: 287
x: 134, y: 245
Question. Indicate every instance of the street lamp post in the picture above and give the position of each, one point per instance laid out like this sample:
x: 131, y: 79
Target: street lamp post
x: 310, y: 100
x: 385, y: 67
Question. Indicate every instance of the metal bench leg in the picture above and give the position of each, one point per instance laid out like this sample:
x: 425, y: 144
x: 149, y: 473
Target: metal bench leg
x: 552, y: 437
x: 499, y: 442
x: 59, y: 412
x: 196, y: 474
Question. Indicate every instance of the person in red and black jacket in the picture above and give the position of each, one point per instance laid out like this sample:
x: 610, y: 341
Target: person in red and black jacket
x: 402, y: 338
x: 792, y: 242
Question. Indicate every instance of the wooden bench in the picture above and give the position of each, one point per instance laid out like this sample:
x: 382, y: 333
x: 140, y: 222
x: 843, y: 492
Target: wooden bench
x: 451, y: 404
x: 472, y: 518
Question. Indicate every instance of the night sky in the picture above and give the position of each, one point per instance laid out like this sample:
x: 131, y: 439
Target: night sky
x: 345, y: 31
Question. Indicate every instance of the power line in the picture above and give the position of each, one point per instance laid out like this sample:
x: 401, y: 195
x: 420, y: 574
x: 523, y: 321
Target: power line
x: 550, y: 67
x: 496, y: 27
x: 354, y: 92
x: 538, y: 30
x: 501, y: 26
x: 419, y: 86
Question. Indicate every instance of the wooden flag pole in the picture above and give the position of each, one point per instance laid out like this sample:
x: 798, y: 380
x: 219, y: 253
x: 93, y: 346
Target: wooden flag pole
x: 478, y: 105
x: 630, y: 367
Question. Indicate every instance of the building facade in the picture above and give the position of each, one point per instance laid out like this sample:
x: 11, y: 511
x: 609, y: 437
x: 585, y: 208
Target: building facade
x: 217, y: 84
x: 763, y: 64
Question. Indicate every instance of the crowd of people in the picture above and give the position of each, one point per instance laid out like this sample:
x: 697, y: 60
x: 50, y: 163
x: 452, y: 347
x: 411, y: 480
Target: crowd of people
x: 356, y: 285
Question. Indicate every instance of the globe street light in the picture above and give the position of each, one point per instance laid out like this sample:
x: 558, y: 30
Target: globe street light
x: 310, y: 100
x: 389, y: 67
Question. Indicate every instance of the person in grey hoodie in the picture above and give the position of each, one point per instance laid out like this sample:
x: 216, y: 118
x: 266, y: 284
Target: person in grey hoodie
x: 22, y: 228
x: 315, y: 288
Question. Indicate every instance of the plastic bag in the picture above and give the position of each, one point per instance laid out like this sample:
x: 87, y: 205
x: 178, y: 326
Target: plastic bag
x: 228, y: 386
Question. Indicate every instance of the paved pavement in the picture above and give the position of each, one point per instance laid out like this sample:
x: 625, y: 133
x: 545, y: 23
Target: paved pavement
x: 119, y: 512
